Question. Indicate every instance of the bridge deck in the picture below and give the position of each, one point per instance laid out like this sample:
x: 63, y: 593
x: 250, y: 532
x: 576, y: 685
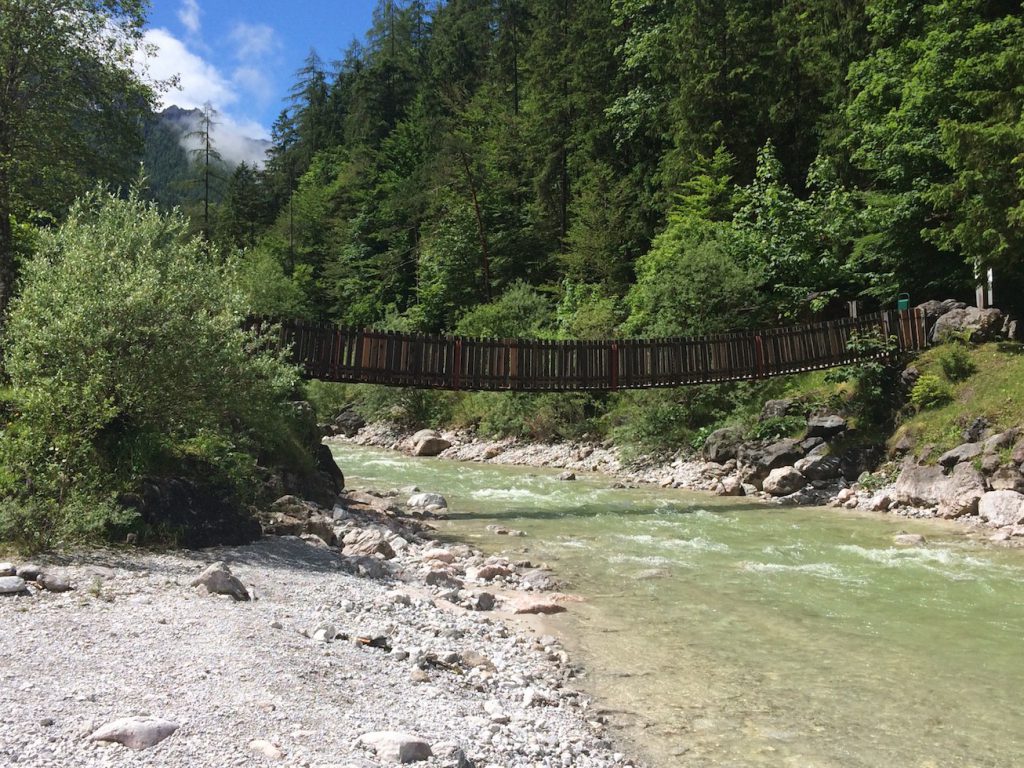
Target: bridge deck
x: 351, y: 355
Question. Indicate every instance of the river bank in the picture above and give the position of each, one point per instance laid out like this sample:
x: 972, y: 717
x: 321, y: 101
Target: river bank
x: 906, y: 490
x: 384, y: 630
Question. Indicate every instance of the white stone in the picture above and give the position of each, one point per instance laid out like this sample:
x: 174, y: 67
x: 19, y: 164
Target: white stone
x: 1002, y: 508
x: 266, y: 748
x: 136, y: 732
x: 427, y: 500
x: 396, y: 746
x: 218, y: 580
x: 11, y: 585
x: 784, y: 481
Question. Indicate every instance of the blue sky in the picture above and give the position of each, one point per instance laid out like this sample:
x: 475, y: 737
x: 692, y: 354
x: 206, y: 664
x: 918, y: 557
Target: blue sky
x: 242, y: 55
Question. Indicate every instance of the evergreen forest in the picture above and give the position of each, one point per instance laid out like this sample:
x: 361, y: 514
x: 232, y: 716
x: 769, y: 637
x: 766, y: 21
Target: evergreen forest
x: 562, y: 169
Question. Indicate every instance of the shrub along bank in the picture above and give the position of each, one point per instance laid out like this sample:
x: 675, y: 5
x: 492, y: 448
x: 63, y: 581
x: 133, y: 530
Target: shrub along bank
x: 133, y: 392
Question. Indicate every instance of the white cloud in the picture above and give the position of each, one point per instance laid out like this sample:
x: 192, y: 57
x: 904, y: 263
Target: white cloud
x: 254, y: 41
x: 188, y: 15
x: 198, y: 82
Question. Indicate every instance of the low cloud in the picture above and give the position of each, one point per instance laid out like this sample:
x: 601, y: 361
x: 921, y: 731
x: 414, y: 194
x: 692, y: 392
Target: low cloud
x: 235, y: 141
x: 199, y: 82
x: 188, y: 15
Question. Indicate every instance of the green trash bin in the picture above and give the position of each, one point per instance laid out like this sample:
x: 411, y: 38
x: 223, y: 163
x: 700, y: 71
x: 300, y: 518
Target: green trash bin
x: 903, y: 302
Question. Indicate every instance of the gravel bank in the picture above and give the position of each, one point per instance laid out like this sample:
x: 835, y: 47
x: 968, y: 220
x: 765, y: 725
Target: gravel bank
x: 262, y: 682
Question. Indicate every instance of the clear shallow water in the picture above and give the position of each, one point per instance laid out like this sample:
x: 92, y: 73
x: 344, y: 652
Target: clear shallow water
x: 731, y: 634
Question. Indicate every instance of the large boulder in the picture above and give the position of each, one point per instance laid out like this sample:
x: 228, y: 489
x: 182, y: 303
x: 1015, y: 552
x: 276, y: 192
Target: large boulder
x: 1002, y: 508
x: 964, y: 488
x: 217, y: 579
x: 961, y: 453
x: 782, y: 453
x: 820, y: 467
x: 329, y: 468
x: 723, y: 444
x: 348, y: 423
x: 954, y: 495
x: 826, y: 427
x: 368, y: 542
x: 428, y: 442
x: 784, y: 481
x: 980, y: 324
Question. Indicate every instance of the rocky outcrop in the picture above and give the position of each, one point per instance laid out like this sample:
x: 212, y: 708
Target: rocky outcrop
x: 826, y: 427
x: 978, y: 324
x: 192, y: 514
x: 723, y: 444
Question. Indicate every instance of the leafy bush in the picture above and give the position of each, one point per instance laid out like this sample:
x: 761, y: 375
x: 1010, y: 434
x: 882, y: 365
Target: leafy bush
x: 521, y: 312
x: 930, y: 392
x: 126, y: 356
x: 779, y: 426
x: 544, y: 417
x: 874, y: 380
x: 955, y: 361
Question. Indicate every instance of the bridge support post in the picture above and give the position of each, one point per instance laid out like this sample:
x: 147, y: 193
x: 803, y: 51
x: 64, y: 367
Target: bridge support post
x: 613, y: 367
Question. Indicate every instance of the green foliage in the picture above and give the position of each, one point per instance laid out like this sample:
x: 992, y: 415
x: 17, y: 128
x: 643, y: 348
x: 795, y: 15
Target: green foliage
x: 778, y: 426
x: 874, y: 397
x: 930, y: 392
x: 126, y: 356
x: 544, y: 417
x: 266, y: 289
x: 521, y: 312
x: 956, y: 363
x: 690, y: 284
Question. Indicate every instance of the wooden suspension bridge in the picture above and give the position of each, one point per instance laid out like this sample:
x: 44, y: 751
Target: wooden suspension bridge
x: 350, y: 355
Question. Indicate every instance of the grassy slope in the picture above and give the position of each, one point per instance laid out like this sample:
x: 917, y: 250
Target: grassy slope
x: 995, y: 391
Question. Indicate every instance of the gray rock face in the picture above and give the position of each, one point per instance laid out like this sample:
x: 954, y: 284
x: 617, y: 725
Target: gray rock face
x: 136, y: 732
x: 12, y: 585
x: 825, y: 427
x: 423, y: 500
x: 982, y: 324
x: 1007, y: 479
x: 397, y: 747
x: 1002, y: 508
x: 964, y: 488
x: 820, y: 467
x: 723, y: 444
x: 218, y: 580
x: 784, y: 481
x: 1001, y: 440
x: 8, y: 569
x: 782, y: 453
x: 964, y: 452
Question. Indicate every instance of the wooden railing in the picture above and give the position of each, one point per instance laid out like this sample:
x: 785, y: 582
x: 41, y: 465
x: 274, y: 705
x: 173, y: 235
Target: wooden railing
x: 332, y: 353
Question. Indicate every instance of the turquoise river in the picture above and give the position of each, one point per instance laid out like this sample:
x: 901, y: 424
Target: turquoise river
x: 728, y: 634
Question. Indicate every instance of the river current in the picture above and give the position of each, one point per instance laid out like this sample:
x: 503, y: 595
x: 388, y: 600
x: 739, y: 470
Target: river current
x: 729, y: 634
